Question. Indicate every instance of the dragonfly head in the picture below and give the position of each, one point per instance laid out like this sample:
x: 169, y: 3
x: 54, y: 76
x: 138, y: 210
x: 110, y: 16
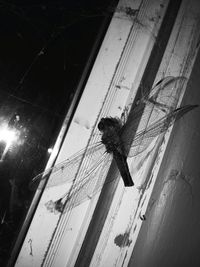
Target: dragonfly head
x: 106, y: 123
x: 102, y: 124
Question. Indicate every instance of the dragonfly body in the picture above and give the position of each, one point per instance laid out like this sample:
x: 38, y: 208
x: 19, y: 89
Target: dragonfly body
x: 111, y: 132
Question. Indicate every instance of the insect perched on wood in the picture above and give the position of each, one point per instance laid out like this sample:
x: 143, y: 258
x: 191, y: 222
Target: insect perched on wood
x: 153, y: 114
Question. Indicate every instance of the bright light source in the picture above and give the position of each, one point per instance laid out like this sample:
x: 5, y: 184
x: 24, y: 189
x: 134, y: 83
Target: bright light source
x: 7, y: 135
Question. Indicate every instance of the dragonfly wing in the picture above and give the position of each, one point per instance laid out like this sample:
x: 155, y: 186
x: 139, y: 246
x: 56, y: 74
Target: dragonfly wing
x: 161, y: 100
x: 144, y: 137
x: 66, y: 171
x: 165, y: 94
x: 86, y: 187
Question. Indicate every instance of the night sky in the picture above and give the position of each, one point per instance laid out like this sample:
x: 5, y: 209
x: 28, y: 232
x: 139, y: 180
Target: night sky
x: 44, y: 47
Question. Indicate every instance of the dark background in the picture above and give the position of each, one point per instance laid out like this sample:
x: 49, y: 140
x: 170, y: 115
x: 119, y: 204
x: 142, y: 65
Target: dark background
x: 44, y: 47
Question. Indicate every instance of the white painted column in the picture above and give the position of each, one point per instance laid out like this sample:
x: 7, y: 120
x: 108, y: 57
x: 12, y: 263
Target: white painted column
x: 123, y: 223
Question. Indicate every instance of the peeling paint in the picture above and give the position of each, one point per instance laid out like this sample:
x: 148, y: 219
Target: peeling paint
x: 129, y: 11
x: 122, y: 240
x: 178, y: 176
x: 55, y: 206
x: 142, y: 217
x: 31, y: 247
x: 82, y: 122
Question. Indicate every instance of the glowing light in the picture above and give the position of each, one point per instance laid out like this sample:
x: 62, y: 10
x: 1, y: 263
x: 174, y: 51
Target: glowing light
x: 8, y: 136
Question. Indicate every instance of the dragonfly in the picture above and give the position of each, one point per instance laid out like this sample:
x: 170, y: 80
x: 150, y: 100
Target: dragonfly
x: 86, y: 170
